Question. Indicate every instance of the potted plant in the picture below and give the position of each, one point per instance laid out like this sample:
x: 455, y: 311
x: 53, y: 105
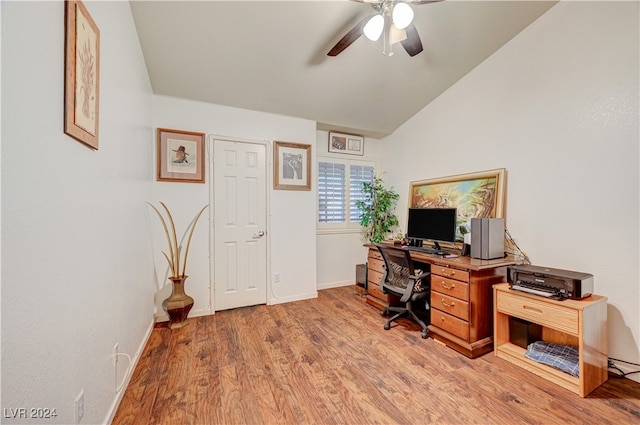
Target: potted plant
x: 378, y: 217
x: 179, y: 303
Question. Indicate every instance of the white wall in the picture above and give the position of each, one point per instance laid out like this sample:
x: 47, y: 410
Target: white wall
x: 557, y: 106
x: 76, y: 268
x: 292, y: 219
x: 339, y: 252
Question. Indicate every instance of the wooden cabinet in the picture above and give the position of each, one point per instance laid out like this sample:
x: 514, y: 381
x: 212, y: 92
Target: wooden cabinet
x: 461, y: 304
x: 450, y: 300
x: 461, y: 297
x: 581, y: 323
x: 375, y: 273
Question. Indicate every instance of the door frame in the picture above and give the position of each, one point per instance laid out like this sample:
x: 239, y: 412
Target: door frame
x: 211, y: 138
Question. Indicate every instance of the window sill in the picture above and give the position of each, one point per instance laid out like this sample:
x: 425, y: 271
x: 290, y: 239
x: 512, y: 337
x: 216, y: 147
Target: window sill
x: 336, y: 231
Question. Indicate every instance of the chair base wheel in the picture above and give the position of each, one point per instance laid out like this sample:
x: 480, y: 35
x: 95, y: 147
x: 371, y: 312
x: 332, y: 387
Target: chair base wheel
x: 424, y: 334
x: 384, y: 312
x: 387, y: 326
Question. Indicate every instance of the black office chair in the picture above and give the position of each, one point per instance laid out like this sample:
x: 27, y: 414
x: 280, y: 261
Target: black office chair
x: 400, y: 279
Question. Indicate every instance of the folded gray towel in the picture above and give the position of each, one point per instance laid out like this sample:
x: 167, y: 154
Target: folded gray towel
x: 563, y: 357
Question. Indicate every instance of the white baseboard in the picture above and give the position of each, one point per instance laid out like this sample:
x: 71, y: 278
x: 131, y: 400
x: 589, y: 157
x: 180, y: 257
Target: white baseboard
x: 134, y: 362
x: 339, y: 284
x: 164, y: 317
x: 292, y: 298
x: 627, y: 368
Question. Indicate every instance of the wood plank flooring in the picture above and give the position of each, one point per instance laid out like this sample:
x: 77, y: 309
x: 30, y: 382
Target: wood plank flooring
x: 329, y: 361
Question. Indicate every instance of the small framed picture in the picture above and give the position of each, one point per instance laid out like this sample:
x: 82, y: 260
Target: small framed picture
x: 292, y: 166
x: 180, y: 156
x: 81, y: 75
x: 346, y: 143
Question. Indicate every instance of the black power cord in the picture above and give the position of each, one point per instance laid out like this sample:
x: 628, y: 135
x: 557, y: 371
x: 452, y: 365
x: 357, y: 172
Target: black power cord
x: 618, y: 372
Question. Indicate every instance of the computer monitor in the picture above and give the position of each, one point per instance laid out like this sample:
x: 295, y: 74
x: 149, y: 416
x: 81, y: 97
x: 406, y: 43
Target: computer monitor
x: 432, y: 224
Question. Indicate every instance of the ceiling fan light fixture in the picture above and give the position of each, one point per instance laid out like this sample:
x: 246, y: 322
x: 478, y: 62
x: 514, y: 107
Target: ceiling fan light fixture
x: 373, y: 29
x: 397, y: 35
x: 402, y: 15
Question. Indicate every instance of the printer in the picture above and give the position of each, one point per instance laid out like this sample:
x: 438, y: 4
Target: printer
x: 550, y: 283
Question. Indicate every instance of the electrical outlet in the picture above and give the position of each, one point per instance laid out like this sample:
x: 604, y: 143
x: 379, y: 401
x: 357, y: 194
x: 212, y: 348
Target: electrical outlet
x: 276, y: 277
x: 79, y: 407
x: 115, y: 354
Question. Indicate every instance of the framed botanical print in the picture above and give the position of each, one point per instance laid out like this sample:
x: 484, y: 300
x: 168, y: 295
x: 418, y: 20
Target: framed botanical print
x: 82, y: 75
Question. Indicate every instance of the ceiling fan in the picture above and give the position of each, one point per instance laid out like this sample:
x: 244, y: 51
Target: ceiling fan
x: 392, y: 20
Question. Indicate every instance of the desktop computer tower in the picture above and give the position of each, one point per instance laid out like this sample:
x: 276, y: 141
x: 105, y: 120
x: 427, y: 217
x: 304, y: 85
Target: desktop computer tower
x: 487, y: 238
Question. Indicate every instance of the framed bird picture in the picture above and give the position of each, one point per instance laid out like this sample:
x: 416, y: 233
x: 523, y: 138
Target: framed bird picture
x: 180, y: 156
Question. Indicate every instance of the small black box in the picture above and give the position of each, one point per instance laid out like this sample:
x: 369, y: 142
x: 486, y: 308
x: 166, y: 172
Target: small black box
x: 361, y: 275
x: 523, y: 333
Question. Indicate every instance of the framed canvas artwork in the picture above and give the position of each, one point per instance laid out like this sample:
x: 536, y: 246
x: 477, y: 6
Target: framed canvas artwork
x: 475, y: 195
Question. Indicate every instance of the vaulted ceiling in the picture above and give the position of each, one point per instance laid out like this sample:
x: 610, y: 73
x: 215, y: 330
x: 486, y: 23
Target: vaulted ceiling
x: 271, y: 56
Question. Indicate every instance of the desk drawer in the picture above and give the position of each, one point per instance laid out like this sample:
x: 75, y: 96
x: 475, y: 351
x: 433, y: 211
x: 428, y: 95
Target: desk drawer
x: 540, y: 311
x: 451, y: 324
x: 448, y: 272
x: 450, y: 287
x: 375, y: 291
x: 450, y: 305
x: 375, y: 255
x: 376, y: 265
x: 374, y: 277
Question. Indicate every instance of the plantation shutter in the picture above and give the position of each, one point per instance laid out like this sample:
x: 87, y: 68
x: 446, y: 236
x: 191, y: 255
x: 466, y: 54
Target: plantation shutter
x: 359, y: 174
x: 331, y: 192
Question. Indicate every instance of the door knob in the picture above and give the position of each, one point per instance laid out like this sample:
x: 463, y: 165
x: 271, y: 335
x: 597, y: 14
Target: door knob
x: 259, y: 234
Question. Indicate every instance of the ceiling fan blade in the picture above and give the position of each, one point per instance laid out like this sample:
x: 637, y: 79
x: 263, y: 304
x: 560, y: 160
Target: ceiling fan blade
x: 348, y: 38
x: 417, y: 2
x: 412, y: 44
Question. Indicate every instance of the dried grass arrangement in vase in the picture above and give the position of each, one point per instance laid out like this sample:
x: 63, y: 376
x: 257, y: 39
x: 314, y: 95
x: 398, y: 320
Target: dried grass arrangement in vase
x: 179, y: 303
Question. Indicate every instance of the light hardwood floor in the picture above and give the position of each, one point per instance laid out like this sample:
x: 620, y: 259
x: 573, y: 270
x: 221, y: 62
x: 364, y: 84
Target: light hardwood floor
x: 329, y: 361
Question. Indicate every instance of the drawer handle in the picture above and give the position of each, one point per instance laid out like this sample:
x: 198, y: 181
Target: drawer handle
x: 535, y: 310
x: 444, y: 272
x: 453, y: 304
x: 442, y: 318
x: 452, y: 286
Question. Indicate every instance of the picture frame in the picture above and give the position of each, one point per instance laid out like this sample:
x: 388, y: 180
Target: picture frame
x: 475, y: 195
x: 82, y: 75
x: 351, y: 144
x: 180, y: 156
x: 291, y: 166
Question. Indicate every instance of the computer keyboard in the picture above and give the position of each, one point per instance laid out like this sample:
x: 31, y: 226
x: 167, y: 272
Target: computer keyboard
x: 426, y: 250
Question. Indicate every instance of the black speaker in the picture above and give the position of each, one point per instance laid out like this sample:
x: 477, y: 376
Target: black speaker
x: 415, y: 242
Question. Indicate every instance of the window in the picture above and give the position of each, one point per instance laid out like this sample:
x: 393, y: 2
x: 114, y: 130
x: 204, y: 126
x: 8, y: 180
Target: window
x: 339, y: 187
x: 359, y: 174
x: 332, y: 192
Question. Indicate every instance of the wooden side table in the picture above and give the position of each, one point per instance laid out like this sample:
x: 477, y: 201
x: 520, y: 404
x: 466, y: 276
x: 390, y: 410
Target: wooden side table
x: 581, y: 323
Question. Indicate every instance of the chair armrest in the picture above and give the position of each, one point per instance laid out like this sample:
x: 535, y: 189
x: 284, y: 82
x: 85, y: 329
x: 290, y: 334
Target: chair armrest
x: 420, y: 276
x: 409, y: 289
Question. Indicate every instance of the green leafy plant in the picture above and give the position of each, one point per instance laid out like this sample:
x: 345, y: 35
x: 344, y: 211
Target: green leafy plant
x: 378, y: 218
x: 175, y: 249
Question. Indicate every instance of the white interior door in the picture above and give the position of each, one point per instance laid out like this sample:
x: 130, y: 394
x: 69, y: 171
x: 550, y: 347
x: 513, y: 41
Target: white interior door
x: 240, y: 224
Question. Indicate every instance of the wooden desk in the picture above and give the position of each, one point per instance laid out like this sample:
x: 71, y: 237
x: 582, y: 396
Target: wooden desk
x: 461, y: 297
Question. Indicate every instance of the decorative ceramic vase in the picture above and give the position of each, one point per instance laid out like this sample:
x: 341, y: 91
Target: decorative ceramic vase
x: 178, y: 304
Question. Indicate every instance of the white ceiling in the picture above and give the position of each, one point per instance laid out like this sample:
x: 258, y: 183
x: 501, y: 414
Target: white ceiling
x: 271, y: 56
